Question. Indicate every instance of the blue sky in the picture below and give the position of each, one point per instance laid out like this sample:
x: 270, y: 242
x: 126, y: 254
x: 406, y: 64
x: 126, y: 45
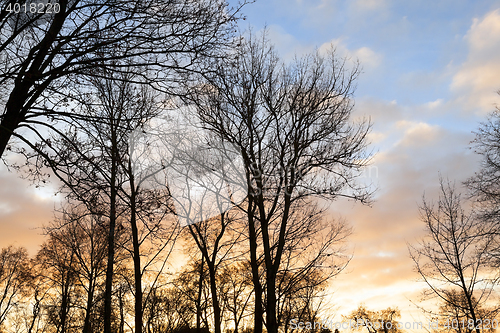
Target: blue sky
x: 431, y: 70
x: 416, y: 44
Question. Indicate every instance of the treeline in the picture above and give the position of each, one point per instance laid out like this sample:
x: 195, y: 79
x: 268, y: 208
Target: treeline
x: 62, y: 288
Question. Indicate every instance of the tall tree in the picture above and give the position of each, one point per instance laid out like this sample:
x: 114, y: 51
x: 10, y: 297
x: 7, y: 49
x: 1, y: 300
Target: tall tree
x: 483, y: 186
x: 47, y: 51
x: 291, y: 127
x: 211, y: 238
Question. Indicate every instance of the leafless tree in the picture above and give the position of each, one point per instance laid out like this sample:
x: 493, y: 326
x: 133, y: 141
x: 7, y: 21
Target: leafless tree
x: 14, y: 276
x: 483, y: 186
x: 376, y: 321
x: 211, y: 239
x: 456, y: 319
x: 48, y: 51
x: 235, y: 281
x: 291, y: 127
x: 59, y: 265
x: 94, y: 163
x: 85, y: 235
x: 454, y: 258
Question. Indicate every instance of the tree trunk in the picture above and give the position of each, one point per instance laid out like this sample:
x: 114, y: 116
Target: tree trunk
x: 258, y: 311
x: 88, y: 309
x: 198, y: 301
x: 111, y: 235
x: 215, y: 299
x: 137, y: 255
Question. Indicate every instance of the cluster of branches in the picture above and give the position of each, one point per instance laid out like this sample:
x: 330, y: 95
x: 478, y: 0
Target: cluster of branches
x: 45, y: 56
x: 459, y: 257
x: 291, y: 126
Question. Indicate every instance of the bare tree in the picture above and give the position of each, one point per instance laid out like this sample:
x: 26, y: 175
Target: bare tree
x: 59, y: 265
x: 209, y: 237
x: 483, y: 186
x: 376, y: 321
x: 291, y: 127
x: 454, y: 257
x: 93, y: 161
x: 457, y: 319
x: 84, y: 234
x: 235, y: 281
x: 14, y: 277
x: 46, y: 51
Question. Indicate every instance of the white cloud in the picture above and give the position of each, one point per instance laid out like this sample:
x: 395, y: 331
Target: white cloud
x: 368, y: 58
x: 376, y: 137
x: 288, y: 47
x: 478, y: 78
x: 417, y: 134
x: 286, y: 44
x: 370, y: 4
x: 434, y: 104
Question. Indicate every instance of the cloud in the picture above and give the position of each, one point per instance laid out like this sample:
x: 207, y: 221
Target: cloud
x: 381, y: 272
x: 418, y: 134
x: 23, y: 210
x: 370, y: 5
x: 286, y: 44
x: 477, y: 79
x: 368, y: 58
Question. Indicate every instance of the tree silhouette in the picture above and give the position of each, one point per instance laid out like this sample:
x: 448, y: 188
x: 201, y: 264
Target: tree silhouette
x: 47, y: 54
x: 14, y: 277
x: 376, y: 321
x: 290, y: 125
x: 454, y: 256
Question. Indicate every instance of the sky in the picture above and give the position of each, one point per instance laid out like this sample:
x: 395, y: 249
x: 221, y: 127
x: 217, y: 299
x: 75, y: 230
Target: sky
x: 430, y: 73
x: 430, y: 76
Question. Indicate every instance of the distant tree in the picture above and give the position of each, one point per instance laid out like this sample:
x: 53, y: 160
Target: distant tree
x: 235, y: 282
x: 453, y: 259
x: 291, y: 127
x: 85, y: 235
x: 376, y: 321
x: 191, y: 294
x: 14, y: 278
x: 454, y: 318
x: 60, y: 271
